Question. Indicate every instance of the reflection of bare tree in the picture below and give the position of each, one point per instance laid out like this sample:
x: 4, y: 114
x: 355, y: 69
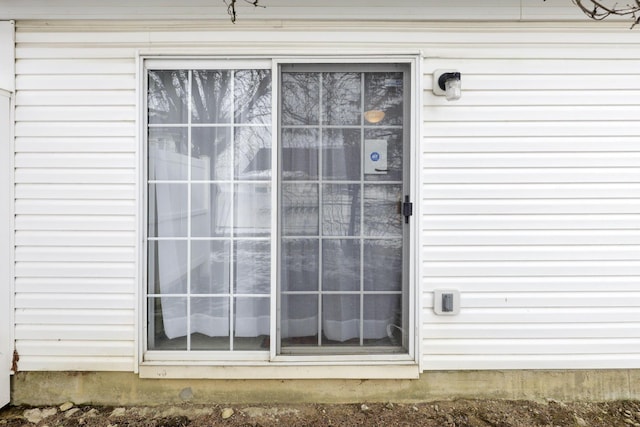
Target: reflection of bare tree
x: 300, y: 98
x: 341, y: 98
x: 253, y: 96
x: 211, y: 96
x: 167, y: 96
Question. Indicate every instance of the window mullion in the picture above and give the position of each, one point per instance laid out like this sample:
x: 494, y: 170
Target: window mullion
x: 361, y: 242
x: 189, y: 213
x: 232, y: 246
x: 320, y: 205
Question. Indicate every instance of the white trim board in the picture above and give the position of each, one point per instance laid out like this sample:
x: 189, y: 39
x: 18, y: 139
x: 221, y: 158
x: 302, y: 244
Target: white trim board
x: 7, y: 55
x: 6, y: 158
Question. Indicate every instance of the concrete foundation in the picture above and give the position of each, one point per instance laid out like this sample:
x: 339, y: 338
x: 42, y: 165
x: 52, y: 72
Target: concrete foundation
x: 123, y: 389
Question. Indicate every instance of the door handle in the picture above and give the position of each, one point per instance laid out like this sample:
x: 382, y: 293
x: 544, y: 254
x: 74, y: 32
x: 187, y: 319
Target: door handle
x: 407, y: 209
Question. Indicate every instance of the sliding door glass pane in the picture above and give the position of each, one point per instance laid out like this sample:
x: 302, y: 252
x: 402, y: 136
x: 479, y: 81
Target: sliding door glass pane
x: 342, y: 229
x: 209, y: 209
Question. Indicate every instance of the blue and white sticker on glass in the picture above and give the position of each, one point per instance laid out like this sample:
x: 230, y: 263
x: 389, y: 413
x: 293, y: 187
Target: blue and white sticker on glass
x: 375, y: 156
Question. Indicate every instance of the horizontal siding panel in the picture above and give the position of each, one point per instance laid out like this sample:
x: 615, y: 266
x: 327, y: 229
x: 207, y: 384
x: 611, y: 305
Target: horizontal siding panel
x: 531, y: 114
x: 529, y: 268
x: 75, y: 160
x: 531, y: 175
x: 492, y: 66
x: 560, y: 81
x: 75, y: 207
x: 42, y: 98
x: 74, y: 176
x: 527, y: 144
x: 536, y: 206
x: 87, y: 146
x: 509, y: 191
x: 530, y: 299
x: 526, y: 129
x: 531, y: 253
x: 75, y: 348
x: 77, y: 114
x: 76, y: 82
x: 95, y: 37
x: 74, y: 254
x: 77, y: 285
x: 75, y: 332
x: 90, y: 129
x: 530, y: 222
x: 535, y: 346
x: 76, y: 363
x: 530, y: 237
x: 524, y: 361
x: 529, y: 284
x: 540, y: 331
x: 531, y: 160
x: 549, y: 315
x: 64, y: 301
x: 49, y: 67
x: 75, y: 238
x: 76, y: 191
x: 56, y: 52
x: 48, y: 316
x: 75, y: 269
x: 535, y: 98
x: 560, y: 50
x: 75, y: 222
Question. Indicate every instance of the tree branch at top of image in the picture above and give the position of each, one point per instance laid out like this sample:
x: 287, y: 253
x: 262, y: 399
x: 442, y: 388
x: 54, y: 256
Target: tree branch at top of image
x: 231, y: 7
x: 601, y: 9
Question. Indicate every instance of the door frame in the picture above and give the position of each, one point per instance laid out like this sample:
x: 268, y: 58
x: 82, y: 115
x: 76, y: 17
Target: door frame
x: 155, y: 365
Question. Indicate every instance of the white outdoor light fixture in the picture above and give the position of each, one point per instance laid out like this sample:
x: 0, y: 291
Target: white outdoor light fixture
x: 447, y: 83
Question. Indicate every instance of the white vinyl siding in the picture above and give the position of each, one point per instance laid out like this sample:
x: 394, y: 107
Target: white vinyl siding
x: 76, y: 207
x: 531, y: 209
x: 529, y: 187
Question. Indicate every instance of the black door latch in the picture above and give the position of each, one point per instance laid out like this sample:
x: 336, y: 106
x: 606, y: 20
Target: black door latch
x: 407, y: 209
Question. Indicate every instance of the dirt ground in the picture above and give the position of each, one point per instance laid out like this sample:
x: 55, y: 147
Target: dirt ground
x: 458, y: 413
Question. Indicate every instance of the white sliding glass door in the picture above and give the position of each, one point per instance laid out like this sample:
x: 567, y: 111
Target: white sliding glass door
x: 315, y: 248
